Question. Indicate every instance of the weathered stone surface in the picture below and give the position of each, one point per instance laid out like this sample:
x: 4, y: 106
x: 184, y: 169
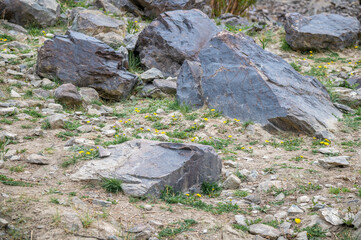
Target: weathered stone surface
x: 331, y: 162
x: 328, y: 150
x: 294, y: 210
x: 241, y: 220
x: 88, y: 94
x: 264, y: 231
x: 166, y: 86
x: 149, y: 90
x: 25, y: 12
x: 56, y: 121
x: 93, y: 22
x: 85, y: 62
x: 322, y: 31
x: 151, y: 74
x: 331, y: 215
x: 232, y: 182
x: 37, y: 159
x: 237, y: 77
x: 355, y: 81
x: 8, y: 111
x: 348, y: 96
x: 68, y: 94
x: 145, y: 167
x: 357, y: 220
x: 159, y: 44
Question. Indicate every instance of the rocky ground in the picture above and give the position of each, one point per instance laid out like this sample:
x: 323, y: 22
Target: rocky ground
x: 279, y: 186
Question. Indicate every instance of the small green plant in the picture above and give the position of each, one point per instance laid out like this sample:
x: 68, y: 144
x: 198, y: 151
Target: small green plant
x: 211, y: 189
x: 46, y: 124
x: 118, y: 140
x: 112, y: 185
x: 296, y: 66
x: 11, y: 182
x: 177, y: 228
x: 315, y: 232
x: 134, y: 63
x: 235, y: 7
x: 86, y: 220
x: 132, y: 27
x: 335, y: 191
x: 18, y: 168
x: 285, y: 46
x: 84, y: 153
x: 240, y: 227
x: 56, y: 218
x: 270, y: 170
x: 3, y: 148
x: 54, y: 200
x: 240, y: 193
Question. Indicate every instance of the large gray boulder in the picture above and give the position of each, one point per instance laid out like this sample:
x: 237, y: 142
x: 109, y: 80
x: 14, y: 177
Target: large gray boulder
x: 93, y: 22
x: 68, y: 94
x: 146, y: 167
x: 27, y: 12
x: 174, y: 37
x: 322, y: 31
x: 86, y: 62
x: 237, y: 77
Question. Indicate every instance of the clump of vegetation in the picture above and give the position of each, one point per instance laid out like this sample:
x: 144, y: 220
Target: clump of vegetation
x: 211, y: 189
x: 178, y: 227
x: 112, y: 185
x: 235, y: 7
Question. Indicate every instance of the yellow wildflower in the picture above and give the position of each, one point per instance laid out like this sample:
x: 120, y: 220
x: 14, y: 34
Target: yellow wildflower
x: 87, y: 153
x: 162, y: 132
x: 154, y: 113
x: 205, y: 119
x: 224, y: 121
x: 310, y: 51
x: 242, y: 147
x: 230, y: 136
x: 356, y: 46
x: 87, y: 121
x: 120, y: 120
x: 91, y: 149
x: 326, y: 143
x: 266, y: 141
x: 81, y: 152
x: 213, y: 110
x: 198, y: 195
x: 301, y: 156
x: 297, y: 220
x: 187, y: 194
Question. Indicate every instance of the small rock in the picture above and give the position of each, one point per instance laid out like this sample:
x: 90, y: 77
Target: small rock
x: 85, y: 128
x: 151, y: 74
x: 2, y: 163
x: 241, y: 220
x: 303, y: 199
x: 8, y: 111
x: 55, y: 106
x: 264, y: 186
x: 232, y: 182
x: 254, y: 198
x: 68, y: 95
x: 340, y: 161
x: 294, y: 210
x: 328, y: 151
x: 103, y: 152
x: 89, y: 94
x: 264, y: 231
x: 14, y: 94
x: 102, y: 203
x: 3, y: 223
x: 331, y: 215
x: 302, y: 236
x: 56, y: 121
x: 268, y: 218
x: 281, y: 215
x: 280, y: 197
x: 357, y: 220
x: 37, y: 159
x: 148, y: 207
x: 78, y: 203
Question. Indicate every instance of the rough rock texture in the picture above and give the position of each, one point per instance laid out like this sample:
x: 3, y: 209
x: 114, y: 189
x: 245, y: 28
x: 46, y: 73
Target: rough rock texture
x: 93, y: 22
x: 26, y: 12
x: 145, y: 167
x: 159, y: 44
x: 264, y: 231
x: 322, y: 31
x: 331, y: 162
x: 237, y: 77
x: 85, y: 62
x: 68, y: 95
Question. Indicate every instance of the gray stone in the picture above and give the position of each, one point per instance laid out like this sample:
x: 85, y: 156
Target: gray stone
x: 78, y: 203
x: 68, y: 94
x: 254, y: 198
x: 159, y: 46
x: 331, y: 162
x: 166, y: 86
x: 85, y: 128
x: 294, y: 210
x: 328, y: 150
x: 55, y: 106
x: 344, y: 108
x: 232, y: 182
x: 266, y: 185
x: 2, y: 163
x: 89, y: 94
x: 47, y: 83
x: 149, y: 90
x: 101, y: 203
x: 285, y: 228
x: 280, y: 197
x: 56, y: 121
x: 151, y: 74
x: 130, y: 41
x: 348, y: 96
x: 241, y: 220
x: 144, y: 166
x: 357, y: 220
x: 85, y: 62
x: 322, y: 31
x: 331, y: 215
x: 14, y: 94
x: 37, y: 159
x: 111, y: 38
x: 355, y: 81
x: 259, y: 86
x: 281, y: 215
x: 303, y: 199
x: 93, y: 22
x: 25, y: 12
x: 264, y: 231
x: 41, y: 93
x: 302, y: 236
x: 8, y: 111
x: 3, y: 223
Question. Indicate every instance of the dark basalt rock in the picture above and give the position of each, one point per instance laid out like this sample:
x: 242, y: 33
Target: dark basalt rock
x: 237, y: 77
x: 86, y: 62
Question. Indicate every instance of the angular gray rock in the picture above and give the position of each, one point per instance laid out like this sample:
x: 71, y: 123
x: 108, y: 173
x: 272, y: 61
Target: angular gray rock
x: 348, y: 96
x: 37, y: 159
x: 264, y: 231
x: 331, y: 162
x: 146, y: 167
x: 68, y: 94
x: 355, y: 81
x: 322, y: 31
x: 166, y: 86
x: 88, y: 94
x: 159, y: 44
x: 151, y: 74
x: 85, y: 62
x: 232, y: 182
x: 357, y: 220
x: 237, y: 77
x: 56, y: 121
x: 93, y: 22
x: 331, y: 215
x: 26, y: 12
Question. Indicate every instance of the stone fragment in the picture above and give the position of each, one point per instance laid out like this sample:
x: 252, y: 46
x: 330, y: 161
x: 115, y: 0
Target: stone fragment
x: 264, y: 231
x: 331, y: 162
x: 331, y: 215
x: 37, y: 159
x: 68, y: 94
